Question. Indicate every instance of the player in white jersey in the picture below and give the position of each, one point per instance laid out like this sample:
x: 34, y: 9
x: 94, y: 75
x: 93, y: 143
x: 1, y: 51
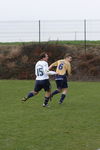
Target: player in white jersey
x: 41, y: 70
x: 42, y: 79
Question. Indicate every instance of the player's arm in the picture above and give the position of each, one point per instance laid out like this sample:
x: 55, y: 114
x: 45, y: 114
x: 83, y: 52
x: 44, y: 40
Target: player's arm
x: 69, y: 69
x: 51, y: 72
x: 48, y: 72
x: 53, y: 65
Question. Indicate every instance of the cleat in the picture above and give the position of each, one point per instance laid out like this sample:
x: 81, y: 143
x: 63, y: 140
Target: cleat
x: 45, y: 105
x: 59, y: 102
x: 24, y: 99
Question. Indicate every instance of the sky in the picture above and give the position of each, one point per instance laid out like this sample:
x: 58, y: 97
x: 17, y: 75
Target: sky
x: 49, y: 10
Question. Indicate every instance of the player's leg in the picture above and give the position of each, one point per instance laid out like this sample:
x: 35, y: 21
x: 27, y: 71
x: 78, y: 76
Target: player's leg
x: 58, y: 90
x: 63, y: 95
x: 55, y: 92
x: 34, y: 92
x: 46, y: 98
x: 29, y: 95
x: 47, y: 88
x: 64, y: 86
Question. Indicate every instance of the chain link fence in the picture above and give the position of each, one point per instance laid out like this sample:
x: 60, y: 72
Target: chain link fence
x: 51, y: 30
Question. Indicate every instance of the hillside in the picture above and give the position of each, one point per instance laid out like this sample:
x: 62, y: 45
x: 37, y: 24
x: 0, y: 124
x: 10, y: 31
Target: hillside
x: 17, y: 61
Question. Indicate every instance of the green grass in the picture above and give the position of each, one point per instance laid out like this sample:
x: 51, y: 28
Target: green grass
x: 53, y: 42
x: 74, y: 125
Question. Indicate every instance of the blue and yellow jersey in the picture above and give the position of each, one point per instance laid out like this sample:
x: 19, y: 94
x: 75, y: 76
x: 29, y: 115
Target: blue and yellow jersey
x: 63, y: 66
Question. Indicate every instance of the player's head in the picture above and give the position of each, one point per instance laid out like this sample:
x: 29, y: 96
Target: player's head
x: 44, y: 56
x: 68, y: 57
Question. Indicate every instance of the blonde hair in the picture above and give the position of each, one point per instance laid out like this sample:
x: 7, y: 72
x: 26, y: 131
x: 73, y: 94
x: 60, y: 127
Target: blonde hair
x: 67, y: 55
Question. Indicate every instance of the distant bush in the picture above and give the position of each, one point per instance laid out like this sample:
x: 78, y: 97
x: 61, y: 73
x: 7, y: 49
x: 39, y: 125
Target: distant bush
x: 19, y: 62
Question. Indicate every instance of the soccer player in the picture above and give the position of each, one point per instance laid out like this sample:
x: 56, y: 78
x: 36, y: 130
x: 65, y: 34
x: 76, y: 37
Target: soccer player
x: 42, y: 79
x: 63, y: 70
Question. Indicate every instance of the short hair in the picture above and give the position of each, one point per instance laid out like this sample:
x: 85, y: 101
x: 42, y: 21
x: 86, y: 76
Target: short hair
x: 43, y: 55
x: 67, y: 55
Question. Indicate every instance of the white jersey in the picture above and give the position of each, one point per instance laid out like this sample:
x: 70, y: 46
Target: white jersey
x: 42, y: 71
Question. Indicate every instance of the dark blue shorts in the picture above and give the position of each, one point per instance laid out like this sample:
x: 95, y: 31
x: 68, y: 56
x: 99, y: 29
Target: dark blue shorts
x: 42, y: 84
x: 61, y: 81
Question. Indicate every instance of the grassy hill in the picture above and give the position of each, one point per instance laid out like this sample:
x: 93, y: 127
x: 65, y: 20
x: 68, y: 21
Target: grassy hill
x: 17, y: 60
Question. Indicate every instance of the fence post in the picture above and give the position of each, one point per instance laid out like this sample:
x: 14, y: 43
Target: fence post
x: 39, y: 31
x: 85, y: 36
x: 75, y: 36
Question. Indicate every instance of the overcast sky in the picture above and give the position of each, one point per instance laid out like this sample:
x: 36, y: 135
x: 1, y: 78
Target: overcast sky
x: 49, y: 9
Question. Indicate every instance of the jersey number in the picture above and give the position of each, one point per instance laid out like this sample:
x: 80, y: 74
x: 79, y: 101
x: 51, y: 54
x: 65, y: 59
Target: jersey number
x: 60, y: 67
x: 40, y: 72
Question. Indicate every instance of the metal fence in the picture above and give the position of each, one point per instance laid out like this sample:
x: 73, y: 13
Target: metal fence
x: 51, y: 30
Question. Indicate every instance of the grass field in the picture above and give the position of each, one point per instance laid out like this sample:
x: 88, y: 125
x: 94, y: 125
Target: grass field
x: 53, y: 42
x: 74, y: 125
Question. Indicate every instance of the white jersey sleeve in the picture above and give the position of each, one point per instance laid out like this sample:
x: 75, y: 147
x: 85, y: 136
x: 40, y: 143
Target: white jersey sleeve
x: 48, y: 72
x: 51, y: 72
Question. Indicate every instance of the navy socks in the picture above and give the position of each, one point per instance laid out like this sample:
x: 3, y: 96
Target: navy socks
x: 62, y: 98
x: 30, y: 95
x: 46, y: 100
x: 54, y: 93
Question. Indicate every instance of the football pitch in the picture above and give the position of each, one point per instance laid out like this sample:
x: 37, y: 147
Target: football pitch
x: 74, y: 125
